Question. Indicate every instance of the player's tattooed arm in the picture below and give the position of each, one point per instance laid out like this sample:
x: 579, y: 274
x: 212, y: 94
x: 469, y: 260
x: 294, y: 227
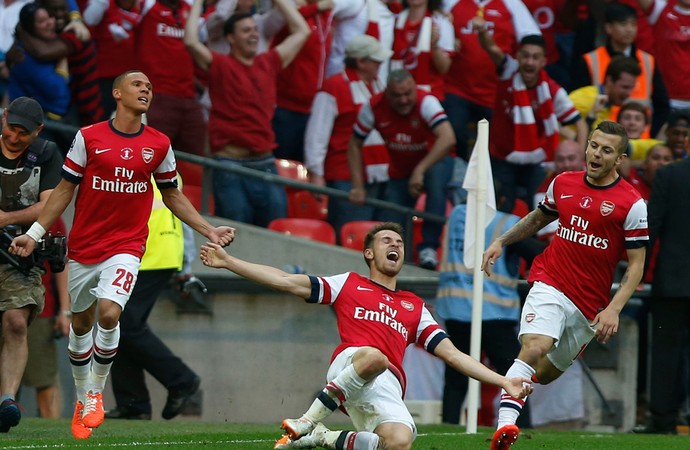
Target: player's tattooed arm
x: 526, y: 227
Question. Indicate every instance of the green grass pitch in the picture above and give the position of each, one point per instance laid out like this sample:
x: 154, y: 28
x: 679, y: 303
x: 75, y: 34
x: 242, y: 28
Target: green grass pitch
x: 32, y: 434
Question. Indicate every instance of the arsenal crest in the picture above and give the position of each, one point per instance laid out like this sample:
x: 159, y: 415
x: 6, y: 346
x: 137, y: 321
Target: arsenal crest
x: 530, y: 317
x: 606, y: 208
x: 147, y: 154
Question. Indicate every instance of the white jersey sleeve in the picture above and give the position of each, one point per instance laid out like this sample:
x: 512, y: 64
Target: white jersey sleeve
x: 508, y: 67
x: 325, y: 290
x: 564, y: 108
x: 634, y: 221
x: 432, y: 112
x: 658, y: 7
x: 548, y: 204
x: 429, y: 332
x: 365, y: 121
x: 146, y: 6
x: 523, y: 21
x: 76, y: 154
x: 166, y: 172
x: 324, y: 110
x: 446, y: 32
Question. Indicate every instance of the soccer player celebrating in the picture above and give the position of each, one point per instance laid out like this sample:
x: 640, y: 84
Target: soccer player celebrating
x: 376, y: 323
x: 112, y: 162
x: 599, y: 214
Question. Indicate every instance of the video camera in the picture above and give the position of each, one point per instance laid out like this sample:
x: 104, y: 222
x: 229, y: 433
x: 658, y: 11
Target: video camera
x: 52, y: 249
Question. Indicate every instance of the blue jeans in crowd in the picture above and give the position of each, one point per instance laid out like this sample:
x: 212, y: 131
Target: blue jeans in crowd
x: 436, y: 181
x: 289, y: 127
x: 247, y: 199
x: 460, y: 112
x: 341, y: 211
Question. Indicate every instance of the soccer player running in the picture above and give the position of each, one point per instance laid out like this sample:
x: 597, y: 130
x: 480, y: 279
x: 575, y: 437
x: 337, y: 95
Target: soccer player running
x: 112, y: 162
x: 600, y: 214
x: 376, y: 323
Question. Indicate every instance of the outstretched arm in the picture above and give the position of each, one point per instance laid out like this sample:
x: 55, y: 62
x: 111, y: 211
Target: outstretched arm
x: 212, y: 255
x: 180, y: 205
x: 200, y: 53
x: 465, y: 364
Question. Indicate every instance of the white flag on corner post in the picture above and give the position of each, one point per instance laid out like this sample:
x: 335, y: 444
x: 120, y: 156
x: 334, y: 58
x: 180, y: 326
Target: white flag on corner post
x: 481, y: 209
x: 481, y: 198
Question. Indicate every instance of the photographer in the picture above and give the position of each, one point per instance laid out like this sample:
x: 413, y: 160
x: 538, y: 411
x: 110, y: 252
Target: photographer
x: 29, y: 170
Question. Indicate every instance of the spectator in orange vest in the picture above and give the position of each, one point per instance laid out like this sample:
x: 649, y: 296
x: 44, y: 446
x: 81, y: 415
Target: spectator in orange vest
x: 621, y: 30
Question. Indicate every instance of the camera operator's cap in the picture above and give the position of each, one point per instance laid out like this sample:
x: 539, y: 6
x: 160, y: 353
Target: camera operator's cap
x: 26, y: 113
x: 365, y: 46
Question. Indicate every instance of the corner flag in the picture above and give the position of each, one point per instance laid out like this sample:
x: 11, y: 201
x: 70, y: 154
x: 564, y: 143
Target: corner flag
x: 481, y: 209
x: 481, y: 198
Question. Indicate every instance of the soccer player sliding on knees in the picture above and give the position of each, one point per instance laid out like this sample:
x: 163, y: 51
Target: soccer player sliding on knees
x: 376, y: 323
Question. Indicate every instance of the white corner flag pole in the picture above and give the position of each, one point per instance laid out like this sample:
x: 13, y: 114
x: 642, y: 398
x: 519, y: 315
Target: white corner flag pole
x: 481, y: 153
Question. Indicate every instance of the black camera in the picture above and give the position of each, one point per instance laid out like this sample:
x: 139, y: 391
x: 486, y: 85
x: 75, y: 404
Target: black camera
x: 52, y: 249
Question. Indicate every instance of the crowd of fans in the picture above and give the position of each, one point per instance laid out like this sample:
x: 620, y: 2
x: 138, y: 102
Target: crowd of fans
x: 243, y: 81
x: 220, y: 93
x: 248, y: 81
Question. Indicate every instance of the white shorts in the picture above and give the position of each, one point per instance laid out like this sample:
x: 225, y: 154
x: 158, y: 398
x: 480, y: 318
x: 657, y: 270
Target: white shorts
x: 112, y: 279
x: 378, y: 402
x: 549, y: 312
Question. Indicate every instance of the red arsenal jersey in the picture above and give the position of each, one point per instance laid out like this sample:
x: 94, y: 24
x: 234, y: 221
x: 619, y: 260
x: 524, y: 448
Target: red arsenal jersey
x: 596, y: 224
x: 408, y: 138
x: 115, y: 195
x: 371, y: 315
x: 472, y: 74
x: 161, y: 53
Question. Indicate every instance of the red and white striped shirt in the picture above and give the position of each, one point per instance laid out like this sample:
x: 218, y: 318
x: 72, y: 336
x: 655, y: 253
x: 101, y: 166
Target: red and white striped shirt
x: 329, y: 129
x: 542, y: 142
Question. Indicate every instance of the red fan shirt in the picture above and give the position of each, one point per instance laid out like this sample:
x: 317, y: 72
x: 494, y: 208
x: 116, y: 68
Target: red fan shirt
x: 408, y: 138
x: 160, y: 51
x: 671, y: 26
x: 244, y: 99
x: 472, y: 74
